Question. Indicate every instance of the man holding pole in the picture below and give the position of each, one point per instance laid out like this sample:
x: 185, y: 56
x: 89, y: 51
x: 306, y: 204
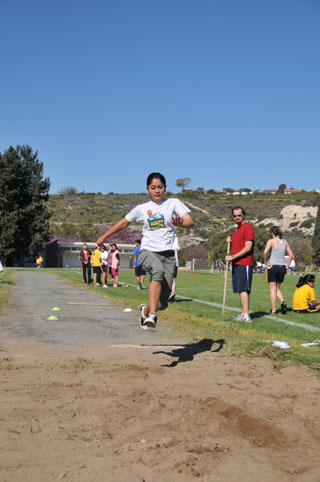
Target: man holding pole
x: 242, y: 260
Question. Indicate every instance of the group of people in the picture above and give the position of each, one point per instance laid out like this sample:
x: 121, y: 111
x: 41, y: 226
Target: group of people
x: 156, y: 255
x: 100, y: 259
x: 277, y: 258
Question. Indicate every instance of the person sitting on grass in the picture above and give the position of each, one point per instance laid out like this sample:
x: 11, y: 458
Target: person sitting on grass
x: 304, y: 298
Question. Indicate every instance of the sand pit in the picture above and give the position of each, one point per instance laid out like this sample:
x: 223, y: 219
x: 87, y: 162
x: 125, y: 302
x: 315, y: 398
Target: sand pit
x: 141, y: 410
x: 119, y: 413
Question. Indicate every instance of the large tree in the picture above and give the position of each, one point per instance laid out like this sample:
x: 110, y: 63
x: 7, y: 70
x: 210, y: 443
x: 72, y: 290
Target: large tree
x: 24, y: 216
x: 183, y: 182
x: 282, y: 188
x: 316, y: 239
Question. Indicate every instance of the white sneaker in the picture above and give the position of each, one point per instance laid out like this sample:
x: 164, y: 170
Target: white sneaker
x: 238, y: 317
x: 105, y: 286
x: 247, y: 318
x: 151, y: 320
x: 242, y: 317
x: 142, y: 317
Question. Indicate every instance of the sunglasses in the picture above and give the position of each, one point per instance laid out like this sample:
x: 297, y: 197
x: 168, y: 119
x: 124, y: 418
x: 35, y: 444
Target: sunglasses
x: 237, y: 215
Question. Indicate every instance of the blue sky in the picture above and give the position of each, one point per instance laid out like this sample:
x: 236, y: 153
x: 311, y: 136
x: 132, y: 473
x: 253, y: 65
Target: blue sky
x: 224, y: 92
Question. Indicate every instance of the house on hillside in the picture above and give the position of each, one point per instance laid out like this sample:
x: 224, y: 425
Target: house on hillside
x: 270, y: 191
x: 291, y: 191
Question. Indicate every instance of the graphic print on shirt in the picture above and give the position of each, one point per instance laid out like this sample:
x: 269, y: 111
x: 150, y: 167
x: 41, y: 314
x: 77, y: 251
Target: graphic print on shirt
x: 156, y: 220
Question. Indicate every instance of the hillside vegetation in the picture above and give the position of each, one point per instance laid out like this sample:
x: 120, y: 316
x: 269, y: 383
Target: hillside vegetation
x: 82, y: 216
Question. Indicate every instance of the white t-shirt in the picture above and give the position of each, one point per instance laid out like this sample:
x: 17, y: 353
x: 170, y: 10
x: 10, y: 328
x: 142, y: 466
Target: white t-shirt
x: 159, y: 234
x: 104, y: 257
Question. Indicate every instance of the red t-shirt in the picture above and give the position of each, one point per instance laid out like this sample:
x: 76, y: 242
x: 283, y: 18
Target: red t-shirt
x: 242, y: 234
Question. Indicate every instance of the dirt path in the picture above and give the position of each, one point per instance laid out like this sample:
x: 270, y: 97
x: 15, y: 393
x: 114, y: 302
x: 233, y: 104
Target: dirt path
x: 133, y: 410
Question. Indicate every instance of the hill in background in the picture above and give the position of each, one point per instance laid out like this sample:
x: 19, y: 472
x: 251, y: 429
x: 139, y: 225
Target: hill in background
x: 82, y: 216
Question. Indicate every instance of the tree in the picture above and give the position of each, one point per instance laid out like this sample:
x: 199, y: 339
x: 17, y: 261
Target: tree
x: 183, y: 182
x: 316, y: 239
x: 68, y: 191
x: 281, y: 188
x: 302, y: 250
x: 24, y: 228
x: 228, y: 189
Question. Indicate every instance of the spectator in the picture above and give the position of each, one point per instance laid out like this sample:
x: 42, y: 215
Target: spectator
x: 304, y: 298
x: 85, y: 258
x: 104, y: 265
x: 139, y: 271
x: 277, y: 266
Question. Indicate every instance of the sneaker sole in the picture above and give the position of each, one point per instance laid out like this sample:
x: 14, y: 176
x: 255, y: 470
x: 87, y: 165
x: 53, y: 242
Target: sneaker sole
x: 149, y: 323
x: 144, y: 327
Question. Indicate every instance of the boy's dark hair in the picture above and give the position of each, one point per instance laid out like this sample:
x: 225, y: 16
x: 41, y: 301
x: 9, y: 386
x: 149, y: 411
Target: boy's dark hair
x: 308, y: 278
x: 239, y: 207
x: 156, y: 175
x: 138, y: 241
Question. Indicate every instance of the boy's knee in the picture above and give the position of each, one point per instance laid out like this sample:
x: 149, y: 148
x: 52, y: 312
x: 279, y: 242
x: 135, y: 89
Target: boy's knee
x: 157, y: 275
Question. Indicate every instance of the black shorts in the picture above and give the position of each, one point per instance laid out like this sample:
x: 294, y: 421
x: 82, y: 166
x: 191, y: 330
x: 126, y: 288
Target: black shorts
x: 241, y: 278
x: 97, y: 269
x: 276, y: 274
x: 309, y: 310
x: 175, y: 272
x: 139, y: 271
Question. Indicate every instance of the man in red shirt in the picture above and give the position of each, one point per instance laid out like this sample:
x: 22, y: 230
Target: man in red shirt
x: 242, y: 260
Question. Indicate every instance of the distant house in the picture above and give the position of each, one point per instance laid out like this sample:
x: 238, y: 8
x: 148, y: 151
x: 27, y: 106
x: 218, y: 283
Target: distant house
x: 65, y: 254
x: 291, y: 191
x: 270, y: 191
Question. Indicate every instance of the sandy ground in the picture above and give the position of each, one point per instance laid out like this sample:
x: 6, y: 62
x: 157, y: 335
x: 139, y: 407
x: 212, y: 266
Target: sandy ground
x: 152, y: 410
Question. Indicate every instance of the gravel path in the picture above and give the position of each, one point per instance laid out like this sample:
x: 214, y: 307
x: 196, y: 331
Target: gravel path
x: 86, y: 318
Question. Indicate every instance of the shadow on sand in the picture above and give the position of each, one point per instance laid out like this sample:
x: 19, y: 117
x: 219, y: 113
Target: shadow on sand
x: 187, y: 352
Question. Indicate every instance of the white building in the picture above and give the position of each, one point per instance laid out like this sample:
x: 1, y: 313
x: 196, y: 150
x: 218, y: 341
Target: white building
x: 65, y: 254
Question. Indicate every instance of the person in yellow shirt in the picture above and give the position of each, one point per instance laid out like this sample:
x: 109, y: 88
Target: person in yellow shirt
x: 96, y: 266
x: 304, y: 298
x: 39, y: 261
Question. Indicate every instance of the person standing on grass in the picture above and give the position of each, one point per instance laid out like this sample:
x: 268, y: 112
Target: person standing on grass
x: 139, y: 271
x: 241, y: 257
x: 172, y: 297
x: 305, y: 296
x: 110, y: 261
x: 96, y: 266
x: 85, y: 258
x: 277, y: 266
x: 115, y: 265
x: 39, y: 261
x: 160, y: 216
x: 104, y: 265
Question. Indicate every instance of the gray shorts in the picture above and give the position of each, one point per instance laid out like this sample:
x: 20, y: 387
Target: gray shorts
x: 161, y: 267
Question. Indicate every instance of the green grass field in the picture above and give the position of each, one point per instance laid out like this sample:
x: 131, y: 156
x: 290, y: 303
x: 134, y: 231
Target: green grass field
x: 192, y: 320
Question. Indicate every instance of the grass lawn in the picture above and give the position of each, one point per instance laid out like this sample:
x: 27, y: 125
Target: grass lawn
x: 194, y: 320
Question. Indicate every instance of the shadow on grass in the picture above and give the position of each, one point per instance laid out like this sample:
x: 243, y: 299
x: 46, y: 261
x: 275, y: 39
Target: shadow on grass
x: 190, y: 350
x: 259, y: 314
